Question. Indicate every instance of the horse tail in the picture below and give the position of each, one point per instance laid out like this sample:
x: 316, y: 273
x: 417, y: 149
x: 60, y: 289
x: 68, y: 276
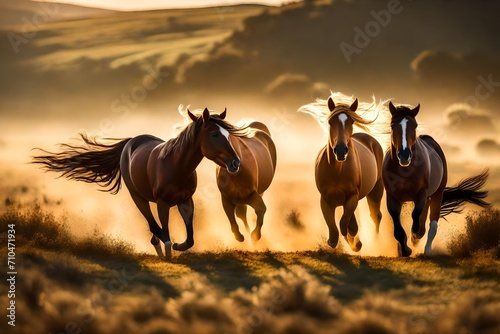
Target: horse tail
x: 467, y: 190
x: 92, y: 163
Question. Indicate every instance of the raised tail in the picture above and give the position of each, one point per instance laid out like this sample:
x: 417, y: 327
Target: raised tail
x: 467, y: 191
x: 92, y: 163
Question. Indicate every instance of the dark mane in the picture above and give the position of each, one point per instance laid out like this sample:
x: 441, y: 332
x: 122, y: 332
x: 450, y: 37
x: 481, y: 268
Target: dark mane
x: 187, y: 136
x: 401, y: 112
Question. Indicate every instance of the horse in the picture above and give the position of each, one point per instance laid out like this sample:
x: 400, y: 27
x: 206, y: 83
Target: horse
x: 153, y: 170
x: 348, y: 168
x: 257, y: 154
x: 415, y: 170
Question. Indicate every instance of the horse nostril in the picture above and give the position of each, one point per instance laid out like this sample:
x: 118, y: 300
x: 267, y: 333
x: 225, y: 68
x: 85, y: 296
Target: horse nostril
x: 335, y: 150
x: 236, y: 164
x: 346, y: 150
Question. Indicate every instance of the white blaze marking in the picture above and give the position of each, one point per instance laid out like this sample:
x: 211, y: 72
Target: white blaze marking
x: 224, y: 132
x: 343, y: 118
x: 403, y: 127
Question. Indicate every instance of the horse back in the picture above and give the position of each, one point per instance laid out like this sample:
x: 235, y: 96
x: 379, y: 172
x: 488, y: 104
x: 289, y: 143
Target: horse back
x: 134, y: 164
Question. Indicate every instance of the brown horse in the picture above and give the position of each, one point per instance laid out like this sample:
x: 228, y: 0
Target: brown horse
x: 257, y: 154
x: 415, y: 170
x: 153, y: 170
x: 348, y: 168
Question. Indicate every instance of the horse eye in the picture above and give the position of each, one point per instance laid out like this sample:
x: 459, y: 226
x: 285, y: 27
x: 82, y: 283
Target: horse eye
x: 215, y: 135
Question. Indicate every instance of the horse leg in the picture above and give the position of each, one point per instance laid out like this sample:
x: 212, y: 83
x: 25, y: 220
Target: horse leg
x: 394, y: 208
x: 229, y: 208
x: 435, y: 208
x: 164, y: 214
x: 329, y: 215
x: 349, y: 207
x: 420, y: 203
x: 186, y: 209
x: 145, y: 209
x: 352, y: 235
x: 260, y: 208
x: 374, y: 198
x: 423, y: 217
x: 241, y: 213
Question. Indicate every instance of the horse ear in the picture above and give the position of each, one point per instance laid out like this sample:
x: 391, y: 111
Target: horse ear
x: 223, y: 114
x: 415, y: 111
x: 192, y: 116
x: 354, y: 105
x: 331, y: 104
x: 206, y: 115
x: 392, y: 108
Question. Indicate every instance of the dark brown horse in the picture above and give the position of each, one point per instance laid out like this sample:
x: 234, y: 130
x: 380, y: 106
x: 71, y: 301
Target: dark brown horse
x: 257, y: 153
x: 348, y: 168
x: 153, y: 170
x: 415, y: 170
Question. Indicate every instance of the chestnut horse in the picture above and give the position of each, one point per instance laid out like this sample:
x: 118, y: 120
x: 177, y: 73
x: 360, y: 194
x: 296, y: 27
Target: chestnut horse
x: 257, y: 153
x: 153, y: 170
x: 415, y: 170
x: 348, y: 168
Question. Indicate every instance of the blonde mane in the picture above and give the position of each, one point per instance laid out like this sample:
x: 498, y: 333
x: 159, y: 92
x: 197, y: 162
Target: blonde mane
x: 373, y: 118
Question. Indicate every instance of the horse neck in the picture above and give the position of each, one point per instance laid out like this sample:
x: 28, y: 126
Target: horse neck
x: 192, y: 156
x: 189, y: 157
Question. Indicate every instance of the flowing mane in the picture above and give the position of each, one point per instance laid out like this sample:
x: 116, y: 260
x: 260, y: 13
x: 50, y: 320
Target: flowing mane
x: 320, y: 111
x: 188, y: 129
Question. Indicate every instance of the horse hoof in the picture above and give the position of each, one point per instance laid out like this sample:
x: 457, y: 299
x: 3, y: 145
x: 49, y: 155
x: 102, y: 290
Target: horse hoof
x: 357, y: 247
x: 407, y: 252
x: 255, y: 236
x: 428, y: 251
x: 239, y: 237
x: 331, y: 243
x: 183, y: 246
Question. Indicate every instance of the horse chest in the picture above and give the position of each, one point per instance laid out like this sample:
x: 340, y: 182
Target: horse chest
x: 238, y: 188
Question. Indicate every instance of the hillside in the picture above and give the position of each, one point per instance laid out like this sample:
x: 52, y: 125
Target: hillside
x: 19, y: 12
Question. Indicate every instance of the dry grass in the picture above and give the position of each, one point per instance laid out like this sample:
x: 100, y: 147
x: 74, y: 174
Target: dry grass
x: 101, y: 285
x: 482, y: 233
x: 41, y: 230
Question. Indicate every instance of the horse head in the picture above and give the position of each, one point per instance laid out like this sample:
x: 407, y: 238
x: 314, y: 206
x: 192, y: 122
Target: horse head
x: 341, y: 128
x: 404, y: 132
x: 214, y: 140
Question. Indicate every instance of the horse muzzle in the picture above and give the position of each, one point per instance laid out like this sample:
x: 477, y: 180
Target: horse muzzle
x: 404, y: 157
x: 233, y: 166
x: 341, y: 152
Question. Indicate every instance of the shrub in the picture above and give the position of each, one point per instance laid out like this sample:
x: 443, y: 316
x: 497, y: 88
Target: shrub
x: 482, y: 232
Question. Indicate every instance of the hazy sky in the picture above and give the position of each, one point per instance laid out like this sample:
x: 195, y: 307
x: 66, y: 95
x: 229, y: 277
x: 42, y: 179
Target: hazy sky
x: 154, y: 4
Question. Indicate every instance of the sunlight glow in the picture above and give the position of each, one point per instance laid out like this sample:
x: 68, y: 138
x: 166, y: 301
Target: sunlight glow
x: 132, y: 5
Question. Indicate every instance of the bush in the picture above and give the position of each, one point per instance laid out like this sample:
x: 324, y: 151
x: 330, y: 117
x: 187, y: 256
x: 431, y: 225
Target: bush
x: 482, y: 232
x: 39, y: 229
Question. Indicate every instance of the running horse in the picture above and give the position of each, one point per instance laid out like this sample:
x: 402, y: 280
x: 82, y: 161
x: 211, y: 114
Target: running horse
x: 415, y: 170
x: 153, y: 170
x: 257, y: 153
x: 349, y: 167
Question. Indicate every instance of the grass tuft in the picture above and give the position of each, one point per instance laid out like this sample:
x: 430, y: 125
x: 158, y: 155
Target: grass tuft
x: 482, y: 233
